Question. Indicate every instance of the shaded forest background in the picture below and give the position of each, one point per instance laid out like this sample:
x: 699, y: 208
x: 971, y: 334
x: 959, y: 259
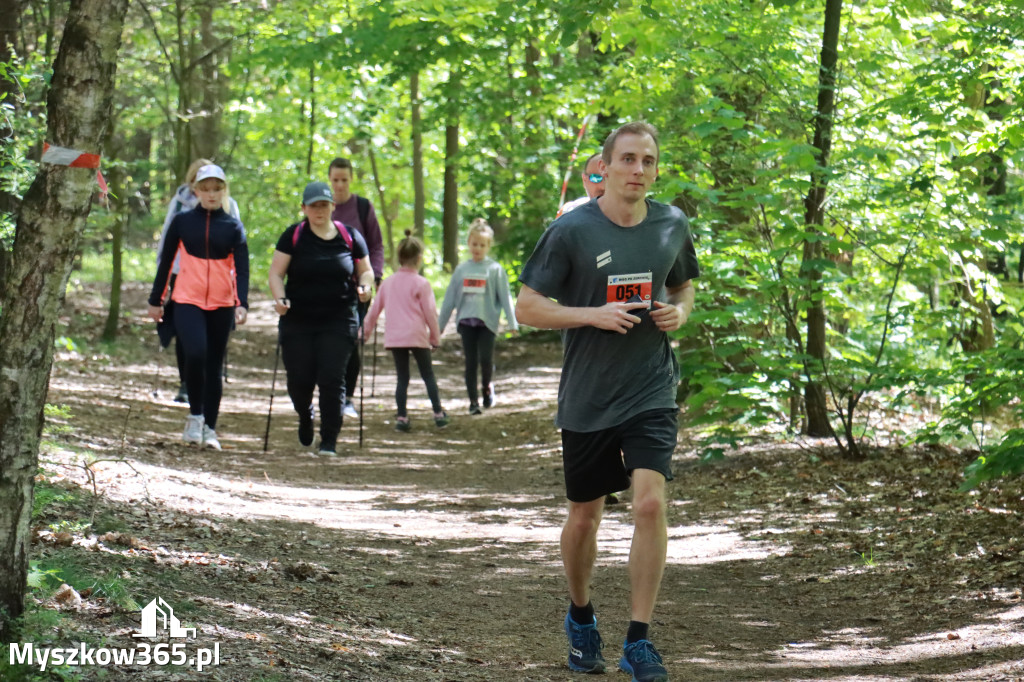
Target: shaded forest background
x: 853, y: 173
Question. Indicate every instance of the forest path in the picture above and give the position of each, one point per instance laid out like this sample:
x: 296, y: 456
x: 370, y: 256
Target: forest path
x: 434, y: 555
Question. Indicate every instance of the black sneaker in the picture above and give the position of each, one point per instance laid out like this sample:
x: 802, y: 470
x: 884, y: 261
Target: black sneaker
x: 643, y: 661
x: 488, y: 396
x: 182, y: 396
x: 402, y: 424
x: 441, y: 419
x: 306, y: 426
x: 475, y: 409
x: 584, y: 647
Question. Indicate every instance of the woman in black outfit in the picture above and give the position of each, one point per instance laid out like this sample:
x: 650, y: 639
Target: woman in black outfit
x: 319, y: 270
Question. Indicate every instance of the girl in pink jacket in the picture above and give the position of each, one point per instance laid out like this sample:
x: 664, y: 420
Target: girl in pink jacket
x: 410, y: 327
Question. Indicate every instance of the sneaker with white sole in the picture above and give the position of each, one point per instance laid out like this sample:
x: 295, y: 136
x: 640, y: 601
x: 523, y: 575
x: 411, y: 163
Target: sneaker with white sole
x: 210, y: 438
x: 584, y: 647
x: 643, y: 661
x: 349, y: 410
x: 193, y: 429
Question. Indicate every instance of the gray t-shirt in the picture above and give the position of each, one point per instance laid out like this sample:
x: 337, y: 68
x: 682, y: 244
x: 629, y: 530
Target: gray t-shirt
x: 586, y: 260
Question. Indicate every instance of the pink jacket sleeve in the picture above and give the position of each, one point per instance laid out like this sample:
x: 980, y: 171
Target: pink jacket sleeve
x: 429, y: 307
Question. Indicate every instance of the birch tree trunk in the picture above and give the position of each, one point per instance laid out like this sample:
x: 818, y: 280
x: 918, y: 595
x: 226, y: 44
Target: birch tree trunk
x: 10, y: 101
x: 419, y: 209
x: 49, y: 227
x: 814, y: 218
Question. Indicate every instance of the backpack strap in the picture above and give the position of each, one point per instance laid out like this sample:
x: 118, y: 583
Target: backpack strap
x: 363, y: 209
x: 342, y: 230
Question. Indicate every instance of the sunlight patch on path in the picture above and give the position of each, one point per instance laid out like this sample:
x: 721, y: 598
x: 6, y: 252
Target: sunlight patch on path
x: 852, y: 647
x: 487, y: 516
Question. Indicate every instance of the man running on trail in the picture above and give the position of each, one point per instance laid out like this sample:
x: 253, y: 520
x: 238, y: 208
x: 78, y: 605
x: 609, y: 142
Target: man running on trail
x: 615, y: 275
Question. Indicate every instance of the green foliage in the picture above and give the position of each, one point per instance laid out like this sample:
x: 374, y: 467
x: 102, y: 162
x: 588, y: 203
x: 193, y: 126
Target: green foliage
x: 37, y: 625
x: 923, y: 180
x: 46, y: 495
x: 982, y: 408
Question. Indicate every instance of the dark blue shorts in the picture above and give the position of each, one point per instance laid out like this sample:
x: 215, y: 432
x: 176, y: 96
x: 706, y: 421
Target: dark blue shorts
x: 600, y: 462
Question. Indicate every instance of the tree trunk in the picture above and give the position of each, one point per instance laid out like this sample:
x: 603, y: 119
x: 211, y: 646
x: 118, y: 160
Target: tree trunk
x: 814, y: 218
x: 49, y: 227
x: 10, y: 99
x: 183, y: 119
x: 419, y: 193
x: 117, y: 179
x: 121, y: 220
x: 311, y: 120
x: 450, y: 219
x: 384, y: 212
x: 209, y: 82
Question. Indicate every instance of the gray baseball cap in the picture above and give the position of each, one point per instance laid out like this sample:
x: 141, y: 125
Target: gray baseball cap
x: 317, y: 191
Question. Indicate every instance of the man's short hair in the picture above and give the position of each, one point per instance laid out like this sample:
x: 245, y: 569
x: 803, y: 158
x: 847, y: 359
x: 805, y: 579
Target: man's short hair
x: 590, y: 158
x: 633, y: 128
x: 339, y: 163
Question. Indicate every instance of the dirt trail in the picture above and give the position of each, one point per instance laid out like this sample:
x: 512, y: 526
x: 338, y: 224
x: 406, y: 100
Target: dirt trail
x: 434, y: 555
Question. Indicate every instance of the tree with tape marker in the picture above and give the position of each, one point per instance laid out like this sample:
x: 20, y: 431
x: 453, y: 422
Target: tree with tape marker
x: 210, y: 295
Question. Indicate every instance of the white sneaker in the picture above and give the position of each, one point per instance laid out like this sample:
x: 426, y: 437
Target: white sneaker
x: 210, y: 438
x: 193, y: 429
x: 350, y: 411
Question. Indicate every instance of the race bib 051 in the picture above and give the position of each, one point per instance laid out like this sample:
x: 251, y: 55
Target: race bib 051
x: 621, y: 288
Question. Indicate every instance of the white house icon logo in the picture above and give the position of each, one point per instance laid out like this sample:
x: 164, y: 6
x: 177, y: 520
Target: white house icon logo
x: 169, y: 621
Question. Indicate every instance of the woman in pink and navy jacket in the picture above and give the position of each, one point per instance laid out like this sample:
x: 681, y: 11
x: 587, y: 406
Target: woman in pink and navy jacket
x: 211, y: 292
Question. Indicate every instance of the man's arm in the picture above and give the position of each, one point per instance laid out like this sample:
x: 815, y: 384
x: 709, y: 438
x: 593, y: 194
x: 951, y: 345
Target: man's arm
x: 673, y: 315
x: 374, y: 243
x: 536, y: 310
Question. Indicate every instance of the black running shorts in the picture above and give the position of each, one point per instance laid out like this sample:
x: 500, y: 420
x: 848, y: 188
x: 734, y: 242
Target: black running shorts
x: 600, y: 462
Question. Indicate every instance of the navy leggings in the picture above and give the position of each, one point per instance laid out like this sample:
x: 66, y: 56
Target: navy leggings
x: 315, y: 355
x: 423, y: 361
x: 203, y: 337
x: 478, y: 346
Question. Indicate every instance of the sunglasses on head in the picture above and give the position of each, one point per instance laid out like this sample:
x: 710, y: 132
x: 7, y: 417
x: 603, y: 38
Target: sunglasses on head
x: 595, y: 178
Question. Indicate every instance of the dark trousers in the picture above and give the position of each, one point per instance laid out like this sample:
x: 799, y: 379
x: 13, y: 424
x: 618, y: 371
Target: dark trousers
x: 315, y: 356
x: 478, y: 347
x: 423, y: 360
x: 203, y: 339
x: 355, y: 365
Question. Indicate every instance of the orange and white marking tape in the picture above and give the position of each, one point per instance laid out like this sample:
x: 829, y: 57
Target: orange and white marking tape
x: 62, y: 156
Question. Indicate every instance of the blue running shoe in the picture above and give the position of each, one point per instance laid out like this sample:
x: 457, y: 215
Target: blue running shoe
x: 584, y: 647
x: 643, y: 661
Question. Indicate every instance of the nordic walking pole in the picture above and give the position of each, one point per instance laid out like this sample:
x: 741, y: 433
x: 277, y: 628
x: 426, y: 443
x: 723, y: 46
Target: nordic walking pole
x: 273, y: 386
x: 362, y: 380
x: 373, y: 379
x: 159, y: 361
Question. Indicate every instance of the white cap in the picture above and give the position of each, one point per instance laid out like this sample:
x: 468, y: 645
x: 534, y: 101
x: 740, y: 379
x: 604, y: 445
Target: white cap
x: 210, y: 171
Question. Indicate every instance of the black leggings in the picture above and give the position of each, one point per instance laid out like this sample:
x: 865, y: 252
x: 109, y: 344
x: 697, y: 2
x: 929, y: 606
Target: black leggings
x: 203, y: 338
x: 315, y: 355
x: 423, y: 360
x: 478, y: 346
